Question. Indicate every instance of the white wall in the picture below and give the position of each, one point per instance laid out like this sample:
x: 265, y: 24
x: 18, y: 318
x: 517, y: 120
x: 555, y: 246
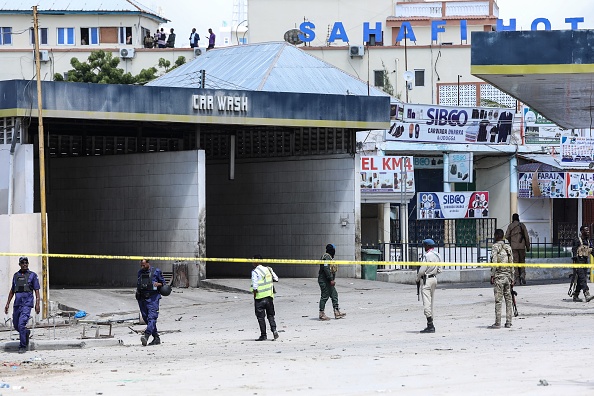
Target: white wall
x: 281, y: 209
x: 24, y: 22
x: 536, y: 214
x: 19, y: 233
x: 136, y: 204
x: 270, y: 19
x: 23, y: 176
x: 492, y: 174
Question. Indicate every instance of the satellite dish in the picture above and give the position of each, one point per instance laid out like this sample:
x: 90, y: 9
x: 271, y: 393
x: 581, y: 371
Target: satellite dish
x: 292, y: 36
x: 408, y: 76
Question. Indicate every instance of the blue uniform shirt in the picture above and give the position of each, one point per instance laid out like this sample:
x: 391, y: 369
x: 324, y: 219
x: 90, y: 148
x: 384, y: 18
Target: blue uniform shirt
x: 25, y: 298
x: 157, y: 277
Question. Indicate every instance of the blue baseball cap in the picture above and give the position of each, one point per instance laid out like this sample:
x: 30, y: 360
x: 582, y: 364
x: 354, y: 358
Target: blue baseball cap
x: 429, y: 242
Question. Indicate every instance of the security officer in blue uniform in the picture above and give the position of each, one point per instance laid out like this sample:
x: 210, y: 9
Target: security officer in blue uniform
x: 150, y: 279
x: 24, y: 283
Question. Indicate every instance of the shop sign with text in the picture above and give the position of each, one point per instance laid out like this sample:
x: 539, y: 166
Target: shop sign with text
x: 387, y: 174
x: 452, y: 205
x: 448, y: 124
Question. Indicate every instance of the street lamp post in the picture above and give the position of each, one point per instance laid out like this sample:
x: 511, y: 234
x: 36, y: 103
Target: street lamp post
x: 459, y: 89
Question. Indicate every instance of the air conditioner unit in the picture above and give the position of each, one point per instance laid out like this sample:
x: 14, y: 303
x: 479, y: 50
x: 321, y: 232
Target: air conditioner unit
x: 197, y: 51
x: 43, y: 55
x: 356, y: 50
x: 127, y: 53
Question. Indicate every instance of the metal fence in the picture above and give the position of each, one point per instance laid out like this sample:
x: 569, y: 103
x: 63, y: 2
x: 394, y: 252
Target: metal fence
x: 464, y: 255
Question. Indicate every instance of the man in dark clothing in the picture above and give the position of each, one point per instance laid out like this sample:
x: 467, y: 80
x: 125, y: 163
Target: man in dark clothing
x: 150, y: 279
x: 517, y: 236
x: 211, y: 40
x: 194, y: 38
x: 170, y: 39
x: 326, y: 280
x: 24, y: 283
x: 582, y: 249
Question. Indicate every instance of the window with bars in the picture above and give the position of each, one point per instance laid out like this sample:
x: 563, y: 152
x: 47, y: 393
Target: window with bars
x: 7, y: 130
x: 255, y: 142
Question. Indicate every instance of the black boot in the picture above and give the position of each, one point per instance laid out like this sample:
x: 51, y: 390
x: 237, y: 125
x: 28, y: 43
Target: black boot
x: 430, y: 328
x: 156, y: 340
x: 576, y: 298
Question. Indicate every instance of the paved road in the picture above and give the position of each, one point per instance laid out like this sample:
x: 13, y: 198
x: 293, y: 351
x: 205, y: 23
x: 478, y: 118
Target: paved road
x: 208, y: 345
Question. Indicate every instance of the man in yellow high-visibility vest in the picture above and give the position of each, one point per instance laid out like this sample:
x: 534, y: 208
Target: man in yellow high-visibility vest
x: 263, y: 290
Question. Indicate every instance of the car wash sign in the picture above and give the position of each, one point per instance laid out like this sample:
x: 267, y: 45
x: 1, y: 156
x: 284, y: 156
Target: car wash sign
x: 449, y: 124
x: 387, y: 174
x: 452, y: 205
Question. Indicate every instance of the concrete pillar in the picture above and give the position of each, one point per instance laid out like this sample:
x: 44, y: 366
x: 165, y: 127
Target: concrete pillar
x: 404, y: 229
x: 447, y: 187
x: 384, y: 231
x: 513, y: 185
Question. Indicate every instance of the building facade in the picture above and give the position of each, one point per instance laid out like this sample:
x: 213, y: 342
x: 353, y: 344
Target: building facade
x: 71, y: 30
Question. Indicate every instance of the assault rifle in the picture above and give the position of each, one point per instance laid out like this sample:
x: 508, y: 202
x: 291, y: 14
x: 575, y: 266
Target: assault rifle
x: 572, y: 282
x: 514, y: 294
x: 418, y: 285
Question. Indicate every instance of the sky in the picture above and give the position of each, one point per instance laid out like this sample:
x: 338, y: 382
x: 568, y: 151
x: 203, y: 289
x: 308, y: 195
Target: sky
x: 204, y: 14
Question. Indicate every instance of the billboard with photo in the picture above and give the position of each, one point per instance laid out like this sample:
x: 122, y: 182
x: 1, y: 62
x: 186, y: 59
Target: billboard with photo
x: 449, y: 124
x: 387, y: 174
x: 452, y: 205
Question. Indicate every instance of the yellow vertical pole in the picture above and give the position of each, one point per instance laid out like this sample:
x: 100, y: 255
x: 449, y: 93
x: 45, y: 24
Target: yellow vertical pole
x: 591, y: 269
x: 44, y: 265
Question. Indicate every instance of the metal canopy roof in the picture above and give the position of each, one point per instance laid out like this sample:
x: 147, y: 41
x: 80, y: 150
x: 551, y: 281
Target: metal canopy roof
x: 272, y: 67
x: 551, y: 71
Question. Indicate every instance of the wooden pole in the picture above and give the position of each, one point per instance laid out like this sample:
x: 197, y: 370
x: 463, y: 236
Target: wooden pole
x: 44, y: 250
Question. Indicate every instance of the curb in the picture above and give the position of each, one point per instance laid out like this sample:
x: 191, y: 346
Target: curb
x: 54, y: 345
x: 214, y: 286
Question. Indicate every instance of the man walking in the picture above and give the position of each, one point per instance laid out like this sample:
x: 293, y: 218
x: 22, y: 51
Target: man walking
x: 582, y: 249
x: 263, y: 290
x: 150, y: 279
x: 24, y: 283
x: 503, y: 279
x: 517, y: 235
x: 327, y: 282
x: 428, y: 274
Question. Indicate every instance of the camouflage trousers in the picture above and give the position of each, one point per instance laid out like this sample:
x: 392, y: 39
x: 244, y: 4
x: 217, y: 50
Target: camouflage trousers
x: 502, y: 290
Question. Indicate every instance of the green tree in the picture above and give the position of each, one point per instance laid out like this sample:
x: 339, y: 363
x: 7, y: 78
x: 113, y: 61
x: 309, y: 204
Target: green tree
x: 166, y: 65
x: 102, y: 68
x: 388, y: 87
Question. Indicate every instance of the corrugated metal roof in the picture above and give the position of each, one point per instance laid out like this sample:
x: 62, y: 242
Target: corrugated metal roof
x: 271, y: 67
x: 73, y: 6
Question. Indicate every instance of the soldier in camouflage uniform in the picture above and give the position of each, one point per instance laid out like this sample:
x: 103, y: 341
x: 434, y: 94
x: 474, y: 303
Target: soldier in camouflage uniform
x: 582, y: 249
x: 326, y: 280
x: 502, y: 278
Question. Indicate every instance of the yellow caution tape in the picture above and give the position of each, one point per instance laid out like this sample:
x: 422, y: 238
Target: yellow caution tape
x: 309, y: 262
